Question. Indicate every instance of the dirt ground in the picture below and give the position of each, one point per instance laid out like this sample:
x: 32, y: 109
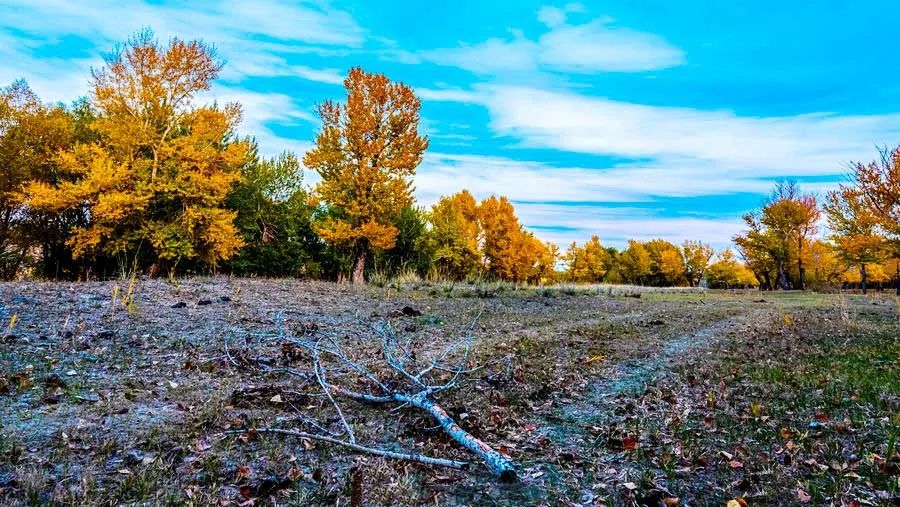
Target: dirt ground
x: 120, y: 393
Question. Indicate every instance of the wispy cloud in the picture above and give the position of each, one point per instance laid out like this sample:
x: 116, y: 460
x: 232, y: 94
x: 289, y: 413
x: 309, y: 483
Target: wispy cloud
x: 806, y: 144
x: 28, y: 32
x: 595, y: 46
x: 616, y: 226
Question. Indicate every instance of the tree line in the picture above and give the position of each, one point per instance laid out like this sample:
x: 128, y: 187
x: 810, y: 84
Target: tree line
x: 861, y: 244
x: 139, y: 177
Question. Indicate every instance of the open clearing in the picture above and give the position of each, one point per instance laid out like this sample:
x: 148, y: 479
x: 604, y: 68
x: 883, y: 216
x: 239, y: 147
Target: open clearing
x: 779, y: 398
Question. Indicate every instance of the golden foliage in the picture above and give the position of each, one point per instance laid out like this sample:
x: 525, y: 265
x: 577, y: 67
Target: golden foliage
x: 588, y: 263
x: 160, y: 174
x: 366, y: 153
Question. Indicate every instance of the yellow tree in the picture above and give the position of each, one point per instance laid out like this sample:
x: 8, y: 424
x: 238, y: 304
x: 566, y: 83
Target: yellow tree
x: 588, y: 263
x: 879, y: 183
x: 545, y: 266
x: 366, y: 153
x: 727, y: 272
x: 696, y: 260
x: 666, y: 262
x: 501, y: 236
x: 158, y: 178
x: 634, y: 262
x: 31, y: 133
x: 825, y: 267
x: 452, y: 240
x: 854, y: 231
x: 778, y: 233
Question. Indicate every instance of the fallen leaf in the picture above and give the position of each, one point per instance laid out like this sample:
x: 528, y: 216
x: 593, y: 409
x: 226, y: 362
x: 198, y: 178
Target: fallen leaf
x: 803, y: 496
x: 243, y: 472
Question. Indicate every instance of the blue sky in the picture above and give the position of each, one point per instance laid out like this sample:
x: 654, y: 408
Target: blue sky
x: 624, y: 119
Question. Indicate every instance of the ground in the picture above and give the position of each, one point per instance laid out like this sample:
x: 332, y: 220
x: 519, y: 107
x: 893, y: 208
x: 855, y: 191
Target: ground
x: 122, y: 391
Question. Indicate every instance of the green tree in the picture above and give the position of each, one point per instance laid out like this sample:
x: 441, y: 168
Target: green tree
x: 452, y: 239
x: 274, y: 217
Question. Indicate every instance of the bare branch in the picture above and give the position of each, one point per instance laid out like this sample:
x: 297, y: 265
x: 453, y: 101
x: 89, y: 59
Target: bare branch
x: 404, y: 456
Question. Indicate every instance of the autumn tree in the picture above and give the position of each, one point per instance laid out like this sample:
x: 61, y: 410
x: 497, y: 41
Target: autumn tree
x: 696, y: 260
x: 508, y: 251
x: 452, y: 240
x: 758, y: 248
x: 728, y: 272
x: 31, y: 133
x: 500, y: 236
x: 545, y: 265
x: 366, y: 152
x: 778, y: 233
x: 588, y: 263
x: 666, y: 262
x: 157, y: 180
x: 854, y: 231
x: 634, y: 263
x: 825, y: 268
x: 878, y: 183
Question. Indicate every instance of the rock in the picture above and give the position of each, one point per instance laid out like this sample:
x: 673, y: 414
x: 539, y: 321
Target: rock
x: 406, y: 311
x: 180, y: 304
x: 54, y: 395
x: 54, y: 380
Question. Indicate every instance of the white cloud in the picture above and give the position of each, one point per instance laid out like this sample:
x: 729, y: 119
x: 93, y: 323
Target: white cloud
x: 449, y: 95
x: 535, y: 181
x: 596, y: 46
x: 231, y: 26
x: 616, y: 226
x: 599, y: 46
x: 555, y: 16
x: 260, y: 111
x: 718, y: 141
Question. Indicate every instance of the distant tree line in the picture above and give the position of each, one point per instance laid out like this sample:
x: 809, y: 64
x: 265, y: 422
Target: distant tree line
x: 862, y: 244
x: 138, y: 177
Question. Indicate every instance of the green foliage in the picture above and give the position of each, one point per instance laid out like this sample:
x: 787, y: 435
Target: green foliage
x: 407, y: 253
x: 274, y: 217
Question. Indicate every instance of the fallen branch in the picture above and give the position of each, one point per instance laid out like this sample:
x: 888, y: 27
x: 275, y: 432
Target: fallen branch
x: 404, y: 456
x: 496, y: 463
x: 402, y: 380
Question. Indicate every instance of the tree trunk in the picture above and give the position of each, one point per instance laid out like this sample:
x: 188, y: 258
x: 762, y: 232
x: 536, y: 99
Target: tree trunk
x: 800, y: 264
x: 897, y: 283
x: 785, y: 285
x: 862, y: 277
x: 359, y: 267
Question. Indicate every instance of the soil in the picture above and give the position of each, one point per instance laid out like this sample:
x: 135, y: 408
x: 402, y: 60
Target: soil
x: 125, y: 392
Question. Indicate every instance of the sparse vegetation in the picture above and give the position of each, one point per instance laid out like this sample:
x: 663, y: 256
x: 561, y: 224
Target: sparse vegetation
x: 597, y: 397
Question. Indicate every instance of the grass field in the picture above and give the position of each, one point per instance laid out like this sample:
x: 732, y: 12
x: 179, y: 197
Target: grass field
x: 115, y: 392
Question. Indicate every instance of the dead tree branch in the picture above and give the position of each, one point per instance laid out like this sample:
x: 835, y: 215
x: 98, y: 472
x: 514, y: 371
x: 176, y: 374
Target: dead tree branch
x: 404, y: 456
x: 400, y: 379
